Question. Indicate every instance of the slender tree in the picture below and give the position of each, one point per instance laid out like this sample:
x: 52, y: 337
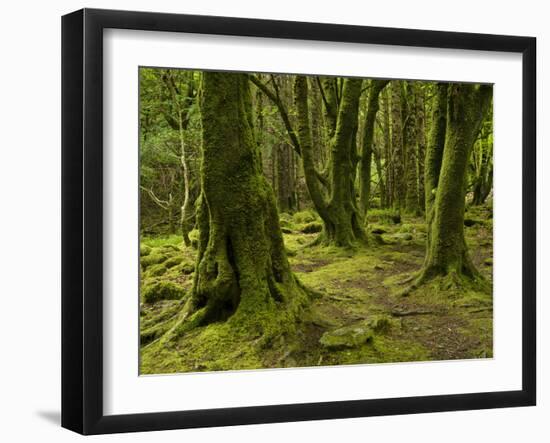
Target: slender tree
x: 376, y: 86
x: 482, y: 163
x: 397, y: 147
x: 411, y: 151
x: 418, y: 90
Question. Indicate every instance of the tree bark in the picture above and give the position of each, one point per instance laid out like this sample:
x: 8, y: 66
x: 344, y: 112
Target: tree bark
x: 242, y: 272
x: 411, y: 153
x: 418, y: 89
x: 376, y: 86
x: 447, y: 251
x: 387, y: 149
x: 397, y: 145
x: 341, y: 220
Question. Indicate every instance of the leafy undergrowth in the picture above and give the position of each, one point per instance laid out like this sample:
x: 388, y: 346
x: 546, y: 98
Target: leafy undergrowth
x: 359, y: 317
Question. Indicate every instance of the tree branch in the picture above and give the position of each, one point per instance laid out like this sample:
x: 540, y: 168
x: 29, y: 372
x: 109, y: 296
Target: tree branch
x: 282, y: 111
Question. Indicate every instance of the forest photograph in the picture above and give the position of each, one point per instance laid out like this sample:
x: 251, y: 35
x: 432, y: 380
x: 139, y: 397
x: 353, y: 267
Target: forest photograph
x: 306, y: 221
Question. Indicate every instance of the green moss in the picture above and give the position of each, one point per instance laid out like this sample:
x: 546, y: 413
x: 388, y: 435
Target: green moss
x: 162, y: 290
x: 155, y: 242
x: 154, y: 258
x: 144, y: 250
x: 156, y: 270
x: 357, y: 334
x: 173, y: 261
x: 347, y: 337
x: 186, y: 268
x: 353, y: 287
x: 312, y: 228
x: 384, y: 216
x: 306, y: 216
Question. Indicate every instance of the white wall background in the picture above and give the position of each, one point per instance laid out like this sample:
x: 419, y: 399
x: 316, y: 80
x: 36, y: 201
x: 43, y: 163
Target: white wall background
x: 30, y: 219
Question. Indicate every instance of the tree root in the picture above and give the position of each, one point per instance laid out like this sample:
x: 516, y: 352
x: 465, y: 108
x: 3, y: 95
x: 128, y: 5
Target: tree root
x: 409, y: 313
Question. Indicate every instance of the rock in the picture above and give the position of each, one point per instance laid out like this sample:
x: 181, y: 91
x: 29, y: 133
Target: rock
x: 346, y: 337
x: 187, y: 268
x: 403, y: 236
x: 290, y: 252
x: 173, y: 261
x: 144, y: 250
x: 153, y: 258
x: 157, y: 270
x: 355, y: 335
x: 312, y: 228
x: 163, y: 290
x: 378, y: 230
x: 469, y: 222
x: 306, y: 216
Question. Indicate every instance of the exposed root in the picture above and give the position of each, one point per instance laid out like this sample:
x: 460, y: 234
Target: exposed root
x: 449, y: 281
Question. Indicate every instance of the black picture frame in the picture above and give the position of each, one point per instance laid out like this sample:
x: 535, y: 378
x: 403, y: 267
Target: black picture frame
x: 82, y: 218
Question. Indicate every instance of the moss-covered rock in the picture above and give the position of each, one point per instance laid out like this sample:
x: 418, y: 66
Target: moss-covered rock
x: 306, y: 216
x: 162, y: 290
x: 312, y: 228
x: 157, y: 270
x: 403, y: 236
x: 144, y: 250
x: 153, y: 258
x: 346, y: 337
x: 173, y: 261
x: 469, y: 222
x: 187, y: 268
x: 376, y: 229
x: 357, y: 334
x: 384, y: 216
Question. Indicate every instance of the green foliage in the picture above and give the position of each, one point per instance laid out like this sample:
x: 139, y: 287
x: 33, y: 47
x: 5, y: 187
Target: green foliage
x: 339, y: 305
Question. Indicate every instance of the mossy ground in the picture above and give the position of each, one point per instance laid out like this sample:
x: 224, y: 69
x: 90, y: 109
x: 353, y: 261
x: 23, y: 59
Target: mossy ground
x: 357, y: 288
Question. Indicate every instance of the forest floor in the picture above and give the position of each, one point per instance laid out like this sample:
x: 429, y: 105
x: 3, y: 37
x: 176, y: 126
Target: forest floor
x: 360, y: 316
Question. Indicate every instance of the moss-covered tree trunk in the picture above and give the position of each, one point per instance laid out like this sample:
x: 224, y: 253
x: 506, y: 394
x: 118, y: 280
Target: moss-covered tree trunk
x: 418, y: 90
x: 482, y: 163
x: 411, y: 152
x: 345, y: 224
x: 376, y: 87
x: 447, y: 252
x: 242, y: 272
x: 387, y: 149
x: 341, y: 219
x: 398, y: 154
x: 434, y: 155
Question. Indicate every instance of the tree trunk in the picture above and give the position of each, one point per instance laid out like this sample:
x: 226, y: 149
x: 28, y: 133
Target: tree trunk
x: 447, y: 251
x: 421, y: 140
x: 387, y: 149
x: 397, y: 145
x: 341, y: 221
x: 345, y: 223
x: 411, y: 153
x: 242, y: 272
x: 376, y: 87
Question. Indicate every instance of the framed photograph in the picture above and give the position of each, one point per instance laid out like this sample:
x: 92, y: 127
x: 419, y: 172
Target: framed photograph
x: 269, y: 221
